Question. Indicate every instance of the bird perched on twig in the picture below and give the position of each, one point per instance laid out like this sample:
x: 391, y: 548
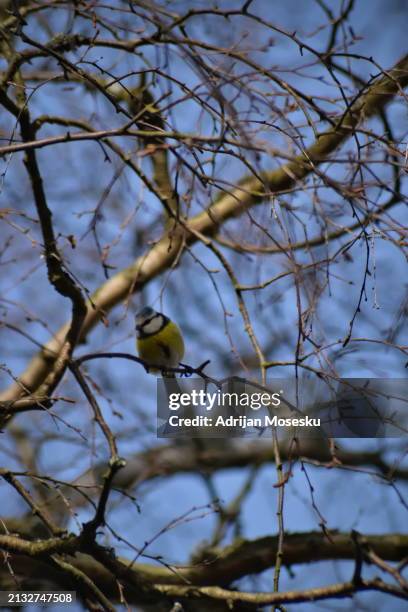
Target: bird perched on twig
x: 159, y: 340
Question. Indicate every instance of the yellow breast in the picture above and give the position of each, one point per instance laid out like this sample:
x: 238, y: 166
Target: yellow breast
x: 164, y: 348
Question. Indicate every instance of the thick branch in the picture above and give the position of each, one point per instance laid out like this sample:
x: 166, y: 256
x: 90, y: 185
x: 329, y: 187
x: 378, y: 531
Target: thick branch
x: 165, y: 461
x: 334, y: 591
x: 220, y: 566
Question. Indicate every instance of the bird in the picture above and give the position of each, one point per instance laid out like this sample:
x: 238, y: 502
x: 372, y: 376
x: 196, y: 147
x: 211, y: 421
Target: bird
x: 159, y: 341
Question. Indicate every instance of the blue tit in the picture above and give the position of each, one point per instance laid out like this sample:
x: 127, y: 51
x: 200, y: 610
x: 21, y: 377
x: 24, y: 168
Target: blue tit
x: 159, y: 340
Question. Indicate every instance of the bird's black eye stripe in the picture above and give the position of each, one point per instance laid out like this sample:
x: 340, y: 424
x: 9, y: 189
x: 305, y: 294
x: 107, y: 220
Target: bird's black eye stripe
x: 148, y: 320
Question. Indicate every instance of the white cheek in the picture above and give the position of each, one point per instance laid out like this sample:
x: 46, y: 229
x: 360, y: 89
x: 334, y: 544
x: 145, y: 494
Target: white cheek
x: 153, y: 326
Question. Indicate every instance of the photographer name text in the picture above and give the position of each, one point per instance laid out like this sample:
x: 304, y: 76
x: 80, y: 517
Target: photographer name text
x: 242, y: 421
